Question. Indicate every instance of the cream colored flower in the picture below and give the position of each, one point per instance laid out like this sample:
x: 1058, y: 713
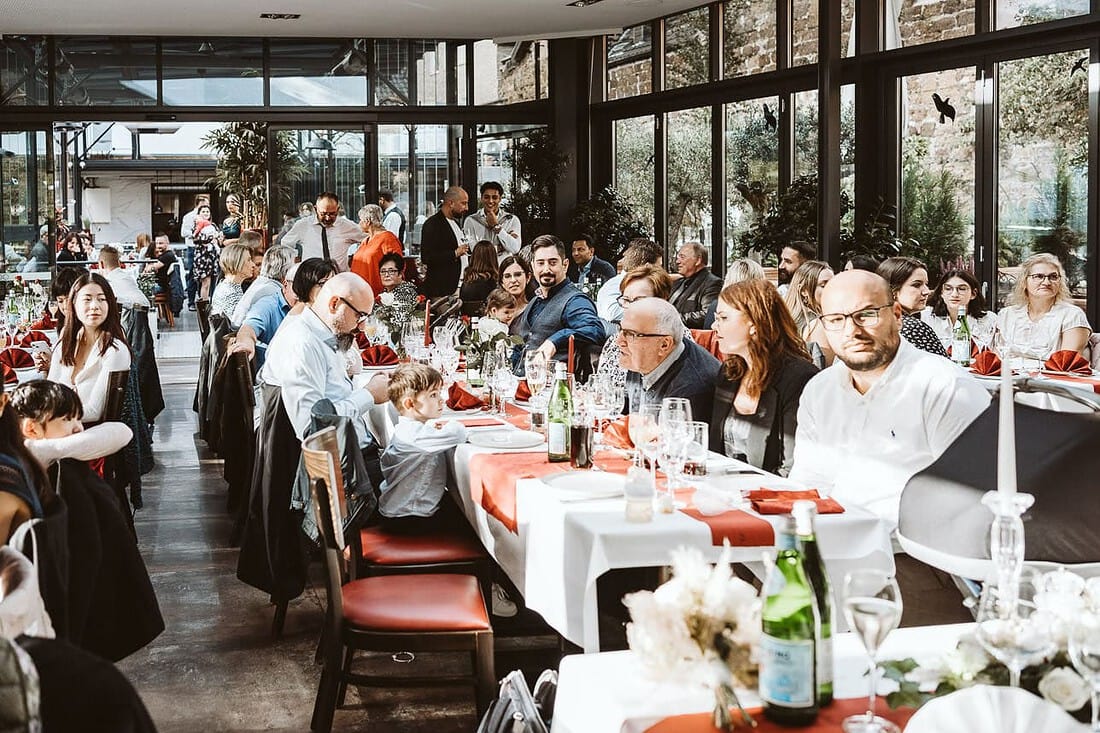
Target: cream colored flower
x: 387, y: 299
x: 1065, y: 688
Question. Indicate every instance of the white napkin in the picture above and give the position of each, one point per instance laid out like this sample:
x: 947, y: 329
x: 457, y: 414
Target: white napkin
x: 989, y: 709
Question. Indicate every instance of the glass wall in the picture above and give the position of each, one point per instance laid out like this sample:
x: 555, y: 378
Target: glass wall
x: 630, y: 62
x: 805, y: 133
x: 217, y: 73
x: 913, y: 22
x: 105, y: 71
x: 332, y: 161
x: 24, y: 77
x: 687, y: 43
x: 804, y: 32
x: 504, y: 73
x: 391, y: 65
x: 688, y: 199
x: 748, y: 37
x: 26, y: 203
x: 634, y: 157
x: 319, y: 73
x: 1013, y: 13
x: 752, y: 166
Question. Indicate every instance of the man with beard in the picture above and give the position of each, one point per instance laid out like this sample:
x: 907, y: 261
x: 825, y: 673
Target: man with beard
x: 443, y: 244
x: 885, y: 409
x: 790, y: 259
x: 558, y: 310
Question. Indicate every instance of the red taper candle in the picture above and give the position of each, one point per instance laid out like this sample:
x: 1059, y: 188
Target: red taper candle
x: 427, y: 324
x: 569, y: 364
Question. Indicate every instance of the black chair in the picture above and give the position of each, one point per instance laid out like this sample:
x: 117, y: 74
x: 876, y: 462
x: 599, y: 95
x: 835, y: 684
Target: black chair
x: 238, y: 422
x: 114, y: 465
x: 397, y: 614
x: 202, y: 310
x: 473, y: 308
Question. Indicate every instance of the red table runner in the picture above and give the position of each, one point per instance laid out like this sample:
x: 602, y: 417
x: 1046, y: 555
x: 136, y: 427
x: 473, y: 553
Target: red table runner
x: 1091, y: 381
x: 827, y: 720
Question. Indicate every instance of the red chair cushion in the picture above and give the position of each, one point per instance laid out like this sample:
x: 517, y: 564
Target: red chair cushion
x: 384, y: 548
x: 429, y: 602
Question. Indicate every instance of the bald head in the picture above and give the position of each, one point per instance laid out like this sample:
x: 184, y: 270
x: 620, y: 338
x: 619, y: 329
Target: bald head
x: 854, y: 284
x: 455, y: 202
x: 344, y: 301
x: 868, y: 336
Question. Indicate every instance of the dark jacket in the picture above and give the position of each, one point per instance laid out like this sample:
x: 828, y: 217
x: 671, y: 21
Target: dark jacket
x: 693, y: 295
x: 772, y: 428
x: 140, y: 338
x: 601, y: 271
x: 692, y: 375
x: 437, y: 251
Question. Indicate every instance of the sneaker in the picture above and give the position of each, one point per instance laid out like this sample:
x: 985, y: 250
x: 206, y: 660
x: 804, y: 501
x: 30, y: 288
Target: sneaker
x: 190, y: 306
x: 503, y: 606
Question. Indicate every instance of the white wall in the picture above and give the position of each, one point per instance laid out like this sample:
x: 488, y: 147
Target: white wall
x: 131, y: 207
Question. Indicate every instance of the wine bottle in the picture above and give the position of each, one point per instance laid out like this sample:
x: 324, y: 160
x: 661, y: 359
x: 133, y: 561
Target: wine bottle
x: 559, y: 417
x: 804, y: 513
x: 960, y: 340
x: 788, y: 680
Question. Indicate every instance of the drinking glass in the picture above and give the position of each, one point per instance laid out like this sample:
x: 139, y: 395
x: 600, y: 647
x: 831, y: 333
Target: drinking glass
x: 1009, y: 627
x: 535, y: 369
x: 607, y: 402
x: 695, y: 459
x: 448, y: 363
x: 1084, y: 652
x: 672, y: 451
x: 675, y: 409
x: 488, y: 372
x: 506, y: 383
x: 872, y: 606
x: 645, y: 432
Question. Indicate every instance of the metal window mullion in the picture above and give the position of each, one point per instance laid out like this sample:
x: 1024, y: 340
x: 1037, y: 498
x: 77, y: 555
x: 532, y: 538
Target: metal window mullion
x: 828, y: 137
x: 985, y: 179
x: 718, y: 188
x: 660, y: 150
x: 1092, y: 236
x: 717, y: 41
x: 657, y: 33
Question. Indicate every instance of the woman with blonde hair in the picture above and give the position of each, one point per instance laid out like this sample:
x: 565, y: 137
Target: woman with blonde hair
x: 237, y: 266
x: 803, y: 299
x: 1040, y: 317
x: 367, y: 260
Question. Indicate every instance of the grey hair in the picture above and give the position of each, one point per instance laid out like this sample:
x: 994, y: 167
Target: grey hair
x: 699, y: 250
x: 277, y: 261
x: 372, y: 214
x: 742, y: 270
x: 668, y: 318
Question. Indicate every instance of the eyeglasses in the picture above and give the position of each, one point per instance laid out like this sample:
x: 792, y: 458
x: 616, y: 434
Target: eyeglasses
x: 955, y: 289
x: 389, y: 271
x: 864, y: 317
x: 624, y: 301
x: 360, y: 315
x: 629, y: 335
x: 1037, y: 277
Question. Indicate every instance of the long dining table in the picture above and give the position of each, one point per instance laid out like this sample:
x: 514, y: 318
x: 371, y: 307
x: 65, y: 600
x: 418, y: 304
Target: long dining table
x: 555, y: 542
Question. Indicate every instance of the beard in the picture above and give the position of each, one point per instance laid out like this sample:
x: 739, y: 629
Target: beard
x: 783, y: 276
x: 345, y: 340
x: 882, y: 353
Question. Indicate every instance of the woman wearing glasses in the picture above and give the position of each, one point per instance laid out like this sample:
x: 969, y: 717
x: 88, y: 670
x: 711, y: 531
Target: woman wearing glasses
x: 765, y: 369
x: 959, y: 289
x: 516, y: 277
x: 908, y: 280
x: 647, y: 281
x: 1041, y: 317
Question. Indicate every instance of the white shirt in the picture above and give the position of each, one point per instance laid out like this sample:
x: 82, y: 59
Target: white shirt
x: 863, y: 449
x: 341, y: 236
x: 1032, y: 342
x: 91, y: 382
x: 392, y: 223
x: 125, y: 287
x: 507, y: 240
x: 945, y: 330
x: 607, y: 303
x: 261, y: 286
x: 187, y: 227
x: 303, y: 360
x: 415, y: 466
x: 97, y: 441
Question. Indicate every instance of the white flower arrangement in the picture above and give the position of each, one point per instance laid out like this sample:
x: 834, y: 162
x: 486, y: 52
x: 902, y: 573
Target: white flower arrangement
x: 490, y: 327
x: 387, y: 298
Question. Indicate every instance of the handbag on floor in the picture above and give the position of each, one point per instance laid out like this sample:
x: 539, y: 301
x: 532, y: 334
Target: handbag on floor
x: 514, y: 710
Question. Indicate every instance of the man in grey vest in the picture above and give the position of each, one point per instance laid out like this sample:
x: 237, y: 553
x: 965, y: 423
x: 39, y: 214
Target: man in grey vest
x: 559, y: 310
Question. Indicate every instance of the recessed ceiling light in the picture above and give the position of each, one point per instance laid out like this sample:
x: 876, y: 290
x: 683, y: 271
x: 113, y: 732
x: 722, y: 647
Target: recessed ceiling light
x: 583, y: 3
x: 280, y: 16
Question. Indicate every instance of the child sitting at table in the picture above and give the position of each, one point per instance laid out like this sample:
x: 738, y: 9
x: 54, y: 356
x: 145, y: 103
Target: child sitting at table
x: 49, y: 417
x: 500, y: 305
x: 416, y: 462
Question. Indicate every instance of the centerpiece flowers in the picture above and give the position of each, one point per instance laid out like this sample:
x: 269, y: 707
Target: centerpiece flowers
x: 702, y: 623
x: 1062, y: 600
x: 489, y: 337
x: 397, y: 307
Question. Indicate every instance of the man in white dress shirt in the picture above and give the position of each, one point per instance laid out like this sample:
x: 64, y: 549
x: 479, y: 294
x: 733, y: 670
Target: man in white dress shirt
x: 125, y: 287
x: 327, y: 234
x: 885, y: 409
x: 492, y: 225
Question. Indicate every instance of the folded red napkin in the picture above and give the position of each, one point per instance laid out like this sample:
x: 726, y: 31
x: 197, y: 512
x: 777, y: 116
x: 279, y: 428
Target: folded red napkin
x: 10, y: 377
x: 771, y: 501
x: 522, y: 392
x: 45, y: 323
x: 1068, y: 361
x: 380, y: 355
x: 16, y: 358
x: 33, y: 336
x: 617, y: 434
x: 459, y: 398
x: 479, y: 422
x: 987, y: 363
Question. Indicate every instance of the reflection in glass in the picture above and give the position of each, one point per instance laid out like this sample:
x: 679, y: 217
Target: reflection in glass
x: 23, y: 71
x: 319, y: 73
x: 749, y: 37
x: 752, y: 166
x: 634, y: 154
x: 333, y: 161
x: 687, y: 40
x: 26, y: 200
x: 215, y: 73
x: 431, y: 72
x: 913, y: 22
x: 1041, y: 188
x: 102, y: 70
x: 630, y: 62
x: 391, y: 79
x: 504, y: 73
x: 688, y: 201
x: 803, y: 32
x: 1014, y: 13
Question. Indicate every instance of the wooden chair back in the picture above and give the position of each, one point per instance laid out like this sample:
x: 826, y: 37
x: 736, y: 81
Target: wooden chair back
x: 117, y: 383
x: 321, y: 456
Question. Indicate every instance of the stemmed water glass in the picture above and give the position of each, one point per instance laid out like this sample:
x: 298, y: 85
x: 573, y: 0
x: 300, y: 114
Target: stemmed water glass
x: 1084, y: 652
x: 872, y: 606
x: 675, y: 439
x: 1009, y: 627
x: 645, y: 433
x: 607, y: 402
x: 504, y: 382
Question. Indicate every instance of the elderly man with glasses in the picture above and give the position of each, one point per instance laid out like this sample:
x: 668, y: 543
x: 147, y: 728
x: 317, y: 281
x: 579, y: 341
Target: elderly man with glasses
x: 885, y: 409
x: 661, y: 360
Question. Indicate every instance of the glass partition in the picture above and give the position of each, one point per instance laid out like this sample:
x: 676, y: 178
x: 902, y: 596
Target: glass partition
x: 24, y: 71
x: 913, y: 22
x: 219, y: 72
x: 105, y: 71
x: 319, y: 73
x: 504, y: 73
x: 431, y: 72
x: 391, y: 73
x: 803, y: 32
x: 805, y: 133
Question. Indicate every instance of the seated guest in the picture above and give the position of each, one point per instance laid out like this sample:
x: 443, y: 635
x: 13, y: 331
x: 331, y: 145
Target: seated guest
x: 698, y: 287
x: 500, y: 305
x: 25, y: 490
x: 647, y: 281
x: 379, y: 241
x: 959, y: 289
x: 414, y: 494
x: 480, y: 277
x: 1041, y: 317
x: 791, y: 258
x: 307, y: 281
x: 661, y: 360
x: 50, y: 417
x: 391, y: 273
x: 122, y: 281
x: 559, y: 310
x: 91, y: 345
x: 803, y: 299
x: 264, y: 318
x: 639, y: 252
x: 236, y: 264
x: 885, y: 409
x: 517, y: 279
x: 908, y: 281
x: 738, y: 271
x: 586, y: 268
x: 276, y: 262
x: 765, y: 369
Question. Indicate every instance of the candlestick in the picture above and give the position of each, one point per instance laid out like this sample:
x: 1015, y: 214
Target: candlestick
x: 569, y: 364
x: 1006, y: 432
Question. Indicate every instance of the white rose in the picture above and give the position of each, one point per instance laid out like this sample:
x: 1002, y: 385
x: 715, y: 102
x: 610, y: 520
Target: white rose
x: 386, y: 299
x: 1065, y: 688
x: 489, y: 327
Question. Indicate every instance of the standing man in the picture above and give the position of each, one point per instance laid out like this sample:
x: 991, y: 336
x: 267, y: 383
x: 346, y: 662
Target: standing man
x: 187, y: 231
x: 790, y: 259
x: 492, y: 225
x: 443, y: 244
x: 698, y: 288
x: 327, y: 235
x: 393, y: 218
x: 586, y: 268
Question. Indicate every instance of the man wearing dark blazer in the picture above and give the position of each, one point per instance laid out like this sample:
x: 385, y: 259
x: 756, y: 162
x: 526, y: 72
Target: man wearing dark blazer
x: 443, y: 244
x: 698, y: 288
x: 586, y: 268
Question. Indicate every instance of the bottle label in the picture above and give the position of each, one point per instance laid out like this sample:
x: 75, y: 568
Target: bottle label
x: 825, y: 661
x: 960, y: 350
x: 556, y: 433
x: 787, y: 672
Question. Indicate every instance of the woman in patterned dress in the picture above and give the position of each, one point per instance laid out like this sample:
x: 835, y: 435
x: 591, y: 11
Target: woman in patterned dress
x: 206, y: 238
x: 908, y: 278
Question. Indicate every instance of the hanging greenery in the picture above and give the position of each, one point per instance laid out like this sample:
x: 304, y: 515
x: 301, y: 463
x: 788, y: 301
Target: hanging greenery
x: 610, y: 220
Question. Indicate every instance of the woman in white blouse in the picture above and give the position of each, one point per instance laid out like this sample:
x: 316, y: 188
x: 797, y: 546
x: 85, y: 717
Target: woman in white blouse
x: 1041, y: 317
x: 91, y: 344
x: 959, y: 289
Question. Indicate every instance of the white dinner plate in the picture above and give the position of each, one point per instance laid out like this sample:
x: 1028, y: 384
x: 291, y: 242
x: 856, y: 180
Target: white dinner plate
x: 593, y: 483
x: 506, y: 439
x: 378, y: 369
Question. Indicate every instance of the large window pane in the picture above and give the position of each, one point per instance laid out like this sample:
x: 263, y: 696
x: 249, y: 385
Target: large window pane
x: 803, y: 32
x: 108, y: 71
x: 431, y: 72
x: 848, y: 152
x: 687, y: 40
x: 630, y: 62
x: 688, y: 201
x: 634, y: 165
x: 805, y: 133
x: 913, y: 22
x: 504, y: 73
x: 393, y: 170
x: 431, y: 146
x: 319, y: 73
x: 26, y: 198
x: 749, y: 37
x: 752, y: 166
x: 391, y: 63
x: 333, y: 161
x: 1013, y: 13
x: 543, y: 49
x: 213, y: 73
x: 23, y: 71
x: 1041, y: 187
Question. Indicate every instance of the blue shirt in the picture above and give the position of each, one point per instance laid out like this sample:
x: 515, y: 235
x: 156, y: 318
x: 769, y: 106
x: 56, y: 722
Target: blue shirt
x: 265, y: 316
x: 578, y: 319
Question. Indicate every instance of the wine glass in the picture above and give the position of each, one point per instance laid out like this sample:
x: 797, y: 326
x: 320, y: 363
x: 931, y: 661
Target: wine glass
x: 535, y: 371
x: 672, y: 452
x: 1010, y: 629
x: 872, y: 606
x: 645, y: 432
x: 488, y: 371
x: 505, y: 384
x: 1084, y: 652
x: 675, y: 409
x: 607, y: 402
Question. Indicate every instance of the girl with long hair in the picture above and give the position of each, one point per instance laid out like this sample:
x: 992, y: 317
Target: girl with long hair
x: 25, y: 490
x: 803, y: 299
x: 516, y: 277
x: 481, y: 275
x: 959, y: 289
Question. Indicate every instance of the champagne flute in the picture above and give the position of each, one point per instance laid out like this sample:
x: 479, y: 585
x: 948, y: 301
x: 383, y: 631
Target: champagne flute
x: 1009, y: 627
x: 1084, y: 652
x: 872, y: 606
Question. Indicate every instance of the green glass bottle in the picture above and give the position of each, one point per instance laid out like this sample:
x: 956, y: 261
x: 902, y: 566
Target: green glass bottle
x: 559, y: 417
x: 788, y: 679
x: 960, y: 339
x: 804, y: 514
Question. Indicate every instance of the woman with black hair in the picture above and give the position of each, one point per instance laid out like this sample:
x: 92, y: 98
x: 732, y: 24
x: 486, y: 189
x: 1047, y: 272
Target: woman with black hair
x: 25, y: 490
x: 959, y: 289
x: 908, y: 279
